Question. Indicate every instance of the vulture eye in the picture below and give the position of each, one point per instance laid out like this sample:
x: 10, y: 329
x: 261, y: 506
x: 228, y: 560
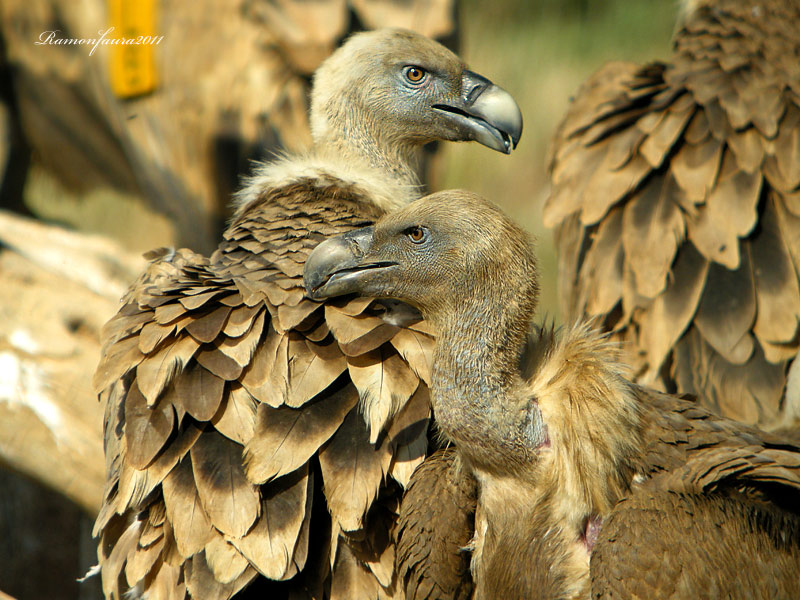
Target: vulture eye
x: 415, y: 75
x: 416, y: 234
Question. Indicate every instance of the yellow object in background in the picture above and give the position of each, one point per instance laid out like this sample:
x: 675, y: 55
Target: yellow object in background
x: 132, y: 53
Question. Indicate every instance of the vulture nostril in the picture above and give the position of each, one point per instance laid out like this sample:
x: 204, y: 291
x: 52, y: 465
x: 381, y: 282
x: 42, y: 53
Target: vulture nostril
x: 356, y: 249
x: 475, y: 92
x: 506, y: 140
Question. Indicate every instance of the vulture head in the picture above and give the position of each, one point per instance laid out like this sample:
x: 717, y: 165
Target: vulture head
x: 401, y: 90
x: 451, y: 255
x: 471, y: 273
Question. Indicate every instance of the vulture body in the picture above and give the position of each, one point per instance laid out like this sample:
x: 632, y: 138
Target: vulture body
x: 587, y: 483
x: 675, y: 192
x: 251, y: 431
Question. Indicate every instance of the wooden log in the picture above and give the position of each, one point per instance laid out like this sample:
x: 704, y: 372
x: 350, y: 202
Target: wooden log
x: 59, y: 288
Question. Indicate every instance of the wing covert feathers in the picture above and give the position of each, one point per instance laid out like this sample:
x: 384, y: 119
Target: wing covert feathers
x: 432, y: 537
x: 675, y: 199
x: 730, y: 489
x: 236, y: 409
x: 747, y: 551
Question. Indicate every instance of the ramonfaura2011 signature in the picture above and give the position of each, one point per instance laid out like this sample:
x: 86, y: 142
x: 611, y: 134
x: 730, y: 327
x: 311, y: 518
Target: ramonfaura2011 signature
x: 51, y: 38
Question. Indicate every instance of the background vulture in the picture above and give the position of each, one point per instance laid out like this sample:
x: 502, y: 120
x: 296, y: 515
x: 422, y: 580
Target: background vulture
x: 250, y: 430
x: 571, y: 459
x: 676, y: 202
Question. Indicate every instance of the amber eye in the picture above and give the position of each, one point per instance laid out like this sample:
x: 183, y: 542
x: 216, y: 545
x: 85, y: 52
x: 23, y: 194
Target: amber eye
x: 416, y: 234
x: 415, y: 74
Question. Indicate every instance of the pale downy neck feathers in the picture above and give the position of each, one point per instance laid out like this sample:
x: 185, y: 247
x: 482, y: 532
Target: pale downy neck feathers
x: 594, y: 422
x: 590, y: 414
x: 386, y: 193
x: 363, y: 144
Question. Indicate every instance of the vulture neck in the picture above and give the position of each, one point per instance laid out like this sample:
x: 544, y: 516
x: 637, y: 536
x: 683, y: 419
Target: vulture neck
x: 476, y: 374
x: 358, y: 143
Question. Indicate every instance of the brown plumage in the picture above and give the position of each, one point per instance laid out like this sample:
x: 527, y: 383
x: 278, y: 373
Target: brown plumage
x: 250, y: 430
x: 675, y: 555
x: 675, y: 192
x: 434, y: 528
x: 572, y: 460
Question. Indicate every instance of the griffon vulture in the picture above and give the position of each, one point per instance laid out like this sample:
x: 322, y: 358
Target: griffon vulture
x: 572, y: 460
x: 676, y: 202
x: 250, y: 430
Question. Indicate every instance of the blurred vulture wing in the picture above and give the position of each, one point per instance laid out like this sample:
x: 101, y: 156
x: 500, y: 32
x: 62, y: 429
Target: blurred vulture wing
x: 676, y: 202
x: 435, y: 526
x: 236, y: 409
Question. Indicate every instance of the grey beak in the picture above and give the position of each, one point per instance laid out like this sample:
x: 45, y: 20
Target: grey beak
x: 488, y: 114
x: 326, y: 267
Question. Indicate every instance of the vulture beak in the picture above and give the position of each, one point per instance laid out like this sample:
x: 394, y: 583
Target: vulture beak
x: 336, y: 267
x: 485, y: 113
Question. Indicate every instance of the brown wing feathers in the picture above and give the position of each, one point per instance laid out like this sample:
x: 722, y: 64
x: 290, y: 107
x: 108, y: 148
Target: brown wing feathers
x: 666, y: 566
x: 241, y: 404
x: 717, y: 515
x: 694, y: 166
x: 436, y: 523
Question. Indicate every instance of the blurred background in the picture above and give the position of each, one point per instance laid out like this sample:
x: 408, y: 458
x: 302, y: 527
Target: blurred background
x: 97, y: 170
x: 541, y: 52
